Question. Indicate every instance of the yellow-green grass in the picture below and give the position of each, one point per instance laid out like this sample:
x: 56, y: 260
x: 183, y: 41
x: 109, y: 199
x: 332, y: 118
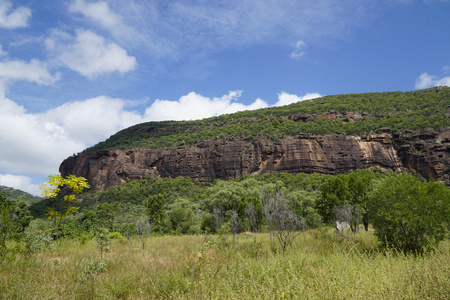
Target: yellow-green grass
x: 318, y: 265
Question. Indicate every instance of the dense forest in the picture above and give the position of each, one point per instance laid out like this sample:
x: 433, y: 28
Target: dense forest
x: 354, y: 114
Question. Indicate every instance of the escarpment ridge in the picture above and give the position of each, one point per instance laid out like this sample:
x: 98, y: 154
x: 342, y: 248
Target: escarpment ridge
x: 331, y: 135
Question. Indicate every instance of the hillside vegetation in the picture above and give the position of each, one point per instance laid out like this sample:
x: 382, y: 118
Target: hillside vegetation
x: 355, y: 114
x: 19, y: 195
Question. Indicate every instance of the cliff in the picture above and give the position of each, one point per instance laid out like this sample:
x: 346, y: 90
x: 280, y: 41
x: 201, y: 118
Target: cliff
x: 426, y: 153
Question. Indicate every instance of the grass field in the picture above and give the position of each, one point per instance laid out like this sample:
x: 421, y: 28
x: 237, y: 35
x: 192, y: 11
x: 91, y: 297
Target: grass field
x: 319, y: 265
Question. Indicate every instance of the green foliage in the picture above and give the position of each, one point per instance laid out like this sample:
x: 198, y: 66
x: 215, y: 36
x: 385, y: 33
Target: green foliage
x: 399, y: 111
x: 90, y: 271
x: 155, y: 208
x: 334, y: 192
x: 14, y: 218
x: 183, y: 215
x: 103, y: 239
x: 72, y: 185
x: 347, y: 191
x: 187, y: 204
x: 37, y: 237
x: 303, y: 204
x: 20, y: 196
x: 409, y: 214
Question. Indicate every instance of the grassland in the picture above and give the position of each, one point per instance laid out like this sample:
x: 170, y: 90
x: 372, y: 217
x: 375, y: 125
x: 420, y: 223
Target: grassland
x: 319, y: 265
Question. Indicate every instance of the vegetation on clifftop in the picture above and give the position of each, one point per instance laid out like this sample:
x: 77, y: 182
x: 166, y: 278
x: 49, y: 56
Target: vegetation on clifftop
x: 355, y: 114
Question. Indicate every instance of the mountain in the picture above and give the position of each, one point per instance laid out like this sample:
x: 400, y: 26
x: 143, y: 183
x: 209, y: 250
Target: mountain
x: 333, y: 134
x: 19, y: 195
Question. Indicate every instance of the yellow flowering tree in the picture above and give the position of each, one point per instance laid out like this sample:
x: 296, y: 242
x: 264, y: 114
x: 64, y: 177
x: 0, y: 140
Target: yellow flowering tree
x: 72, y: 185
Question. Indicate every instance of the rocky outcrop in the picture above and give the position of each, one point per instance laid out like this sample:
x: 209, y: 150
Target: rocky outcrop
x: 426, y: 153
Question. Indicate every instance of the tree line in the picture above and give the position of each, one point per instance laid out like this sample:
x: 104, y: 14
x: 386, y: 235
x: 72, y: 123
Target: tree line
x: 406, y: 212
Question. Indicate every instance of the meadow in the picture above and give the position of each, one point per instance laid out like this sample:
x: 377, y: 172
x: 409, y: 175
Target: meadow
x: 320, y: 264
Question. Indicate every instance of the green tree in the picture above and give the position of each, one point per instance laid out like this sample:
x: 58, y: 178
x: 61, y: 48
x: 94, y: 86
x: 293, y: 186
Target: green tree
x: 359, y: 188
x: 349, y: 191
x: 154, y: 205
x: 14, y: 218
x: 334, y: 193
x: 71, y: 186
x: 182, y: 216
x: 303, y: 204
x: 409, y: 214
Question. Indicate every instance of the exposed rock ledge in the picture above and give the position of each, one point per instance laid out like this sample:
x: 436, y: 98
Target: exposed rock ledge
x: 426, y: 153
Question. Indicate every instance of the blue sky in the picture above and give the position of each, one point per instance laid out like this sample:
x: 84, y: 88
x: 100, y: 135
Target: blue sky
x: 73, y: 72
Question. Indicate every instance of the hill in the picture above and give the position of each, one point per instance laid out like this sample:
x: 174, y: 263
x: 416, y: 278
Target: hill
x: 19, y: 195
x: 331, y: 135
x: 355, y: 114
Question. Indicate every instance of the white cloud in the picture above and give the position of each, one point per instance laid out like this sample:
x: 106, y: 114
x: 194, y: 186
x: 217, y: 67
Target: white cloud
x: 299, y: 51
x: 91, y: 120
x: 98, y: 12
x: 30, y: 145
x: 33, y: 71
x: 285, y: 98
x: 13, y: 18
x: 37, y: 143
x: 89, y: 54
x: 426, y: 80
x: 20, y: 182
x: 194, y: 106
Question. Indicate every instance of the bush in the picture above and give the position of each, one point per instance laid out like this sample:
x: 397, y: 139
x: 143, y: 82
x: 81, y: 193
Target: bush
x: 409, y: 214
x: 116, y: 235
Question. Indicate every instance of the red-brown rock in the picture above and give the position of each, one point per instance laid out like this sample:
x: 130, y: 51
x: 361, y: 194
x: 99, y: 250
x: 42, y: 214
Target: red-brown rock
x: 426, y: 153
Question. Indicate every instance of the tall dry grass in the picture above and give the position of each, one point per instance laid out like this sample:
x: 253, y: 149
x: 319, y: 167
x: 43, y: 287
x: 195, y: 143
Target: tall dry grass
x: 319, y: 265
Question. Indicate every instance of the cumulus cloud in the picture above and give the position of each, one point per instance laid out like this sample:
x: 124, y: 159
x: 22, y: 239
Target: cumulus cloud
x: 89, y: 54
x: 13, y: 18
x: 285, y: 98
x: 37, y: 143
x: 20, y: 182
x: 30, y: 145
x: 33, y: 71
x: 299, y: 50
x: 91, y: 120
x: 195, y: 106
x: 426, y: 80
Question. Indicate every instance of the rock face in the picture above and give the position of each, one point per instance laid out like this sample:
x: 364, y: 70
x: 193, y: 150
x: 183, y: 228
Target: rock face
x: 426, y: 153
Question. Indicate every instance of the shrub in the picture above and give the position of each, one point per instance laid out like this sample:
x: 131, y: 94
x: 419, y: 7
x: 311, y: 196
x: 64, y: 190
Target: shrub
x: 409, y: 214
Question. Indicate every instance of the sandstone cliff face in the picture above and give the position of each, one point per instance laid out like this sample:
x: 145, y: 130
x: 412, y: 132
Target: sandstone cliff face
x: 426, y: 153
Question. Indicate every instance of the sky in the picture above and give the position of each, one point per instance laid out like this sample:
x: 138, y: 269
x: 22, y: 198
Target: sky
x: 74, y: 72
